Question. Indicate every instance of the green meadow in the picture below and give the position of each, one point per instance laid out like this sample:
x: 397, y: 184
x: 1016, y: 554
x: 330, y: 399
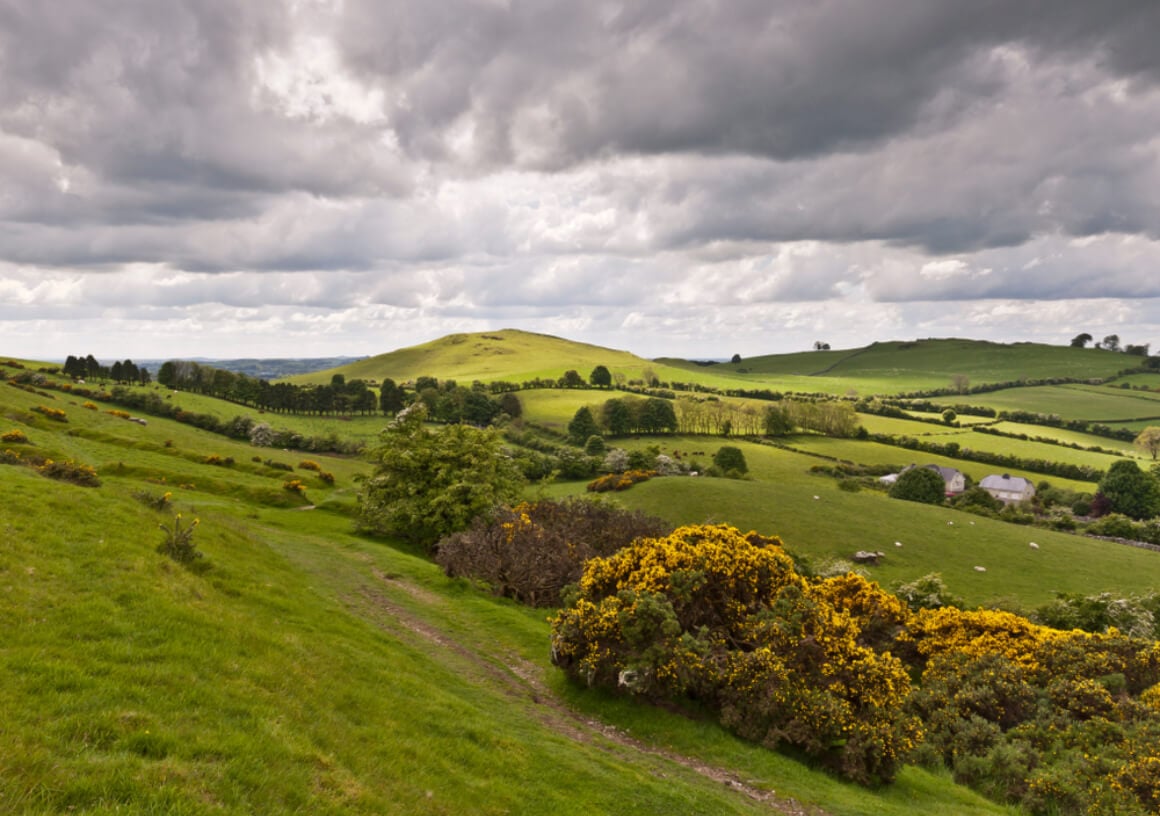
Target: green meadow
x: 301, y: 668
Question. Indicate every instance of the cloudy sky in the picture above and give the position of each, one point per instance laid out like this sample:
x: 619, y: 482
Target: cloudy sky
x: 687, y: 177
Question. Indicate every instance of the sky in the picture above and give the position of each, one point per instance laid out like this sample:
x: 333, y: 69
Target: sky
x: 695, y: 178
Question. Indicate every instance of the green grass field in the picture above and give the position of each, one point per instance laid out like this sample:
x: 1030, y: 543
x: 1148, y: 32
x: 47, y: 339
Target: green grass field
x: 305, y: 669
x: 780, y: 499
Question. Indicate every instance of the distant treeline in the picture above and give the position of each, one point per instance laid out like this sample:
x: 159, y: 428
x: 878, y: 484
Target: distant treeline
x: 954, y: 450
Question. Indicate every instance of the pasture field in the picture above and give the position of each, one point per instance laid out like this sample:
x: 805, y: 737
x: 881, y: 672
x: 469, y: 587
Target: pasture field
x: 779, y: 500
x: 899, y: 367
x: 1068, y: 437
x: 1091, y: 403
x: 302, y: 668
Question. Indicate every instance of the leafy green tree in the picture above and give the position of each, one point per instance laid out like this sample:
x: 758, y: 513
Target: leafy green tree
x: 729, y: 459
x: 601, y: 377
x: 1081, y: 340
x: 595, y: 446
x: 571, y: 379
x: 657, y: 415
x: 510, y: 404
x: 390, y: 397
x: 949, y: 416
x: 778, y: 421
x: 582, y: 426
x: 919, y: 485
x: 1111, y: 342
x: 430, y: 483
x: 1130, y: 490
x: 616, y: 416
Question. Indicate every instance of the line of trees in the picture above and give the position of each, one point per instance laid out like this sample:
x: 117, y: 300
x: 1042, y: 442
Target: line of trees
x: 125, y: 372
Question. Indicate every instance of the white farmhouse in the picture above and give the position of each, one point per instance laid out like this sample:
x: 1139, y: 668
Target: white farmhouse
x: 1008, y: 489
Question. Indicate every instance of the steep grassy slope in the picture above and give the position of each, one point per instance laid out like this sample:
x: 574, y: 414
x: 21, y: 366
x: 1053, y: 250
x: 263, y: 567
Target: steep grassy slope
x: 302, y: 669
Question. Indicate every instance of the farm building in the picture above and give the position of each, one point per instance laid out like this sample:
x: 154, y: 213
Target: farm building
x: 1008, y: 489
x: 954, y: 479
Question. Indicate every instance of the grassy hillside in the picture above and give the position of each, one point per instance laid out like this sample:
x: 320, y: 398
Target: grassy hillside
x: 880, y: 368
x: 818, y: 520
x: 896, y: 367
x: 503, y: 355
x: 301, y: 668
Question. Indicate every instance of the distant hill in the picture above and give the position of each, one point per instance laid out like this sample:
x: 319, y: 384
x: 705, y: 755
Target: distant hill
x: 880, y: 368
x: 265, y: 369
x: 508, y: 354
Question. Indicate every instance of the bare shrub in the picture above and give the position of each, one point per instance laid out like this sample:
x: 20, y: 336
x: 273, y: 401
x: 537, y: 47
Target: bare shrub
x: 532, y: 551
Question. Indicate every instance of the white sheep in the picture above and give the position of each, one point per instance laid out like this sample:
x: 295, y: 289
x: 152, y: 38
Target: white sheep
x: 1033, y: 545
x: 980, y: 569
x: 897, y: 543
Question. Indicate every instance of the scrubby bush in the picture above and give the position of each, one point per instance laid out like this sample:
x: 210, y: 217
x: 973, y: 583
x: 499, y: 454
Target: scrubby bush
x: 619, y: 481
x: 69, y: 471
x: 55, y: 414
x: 730, y: 460
x: 309, y: 464
x: 15, y: 437
x: 178, y: 542
x: 530, y: 552
x: 666, y: 619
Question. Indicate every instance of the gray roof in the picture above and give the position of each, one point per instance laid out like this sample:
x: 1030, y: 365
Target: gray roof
x: 1005, y: 482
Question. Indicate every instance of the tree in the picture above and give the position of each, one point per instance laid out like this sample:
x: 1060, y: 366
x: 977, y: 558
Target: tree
x: 601, y: 377
x: 1111, y: 342
x: 1081, y: 340
x: 1130, y: 490
x: 571, y: 379
x: 778, y: 421
x: 510, y: 404
x: 390, y: 397
x: 428, y: 484
x: 657, y: 415
x: 1149, y: 441
x: 616, y: 417
x: 961, y: 382
x: 919, y: 484
x: 582, y: 426
x: 729, y: 459
x: 1137, y: 351
x: 736, y: 358
x: 949, y: 416
x: 820, y: 346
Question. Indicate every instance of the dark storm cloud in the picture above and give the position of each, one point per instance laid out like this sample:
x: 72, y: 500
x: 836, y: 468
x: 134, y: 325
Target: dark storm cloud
x: 468, y: 158
x: 776, y: 79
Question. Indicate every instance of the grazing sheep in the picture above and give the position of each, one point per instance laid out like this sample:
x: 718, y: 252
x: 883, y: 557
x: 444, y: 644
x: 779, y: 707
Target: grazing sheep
x: 897, y: 543
x: 980, y: 569
x: 1033, y: 545
x: 950, y: 524
x: 816, y: 498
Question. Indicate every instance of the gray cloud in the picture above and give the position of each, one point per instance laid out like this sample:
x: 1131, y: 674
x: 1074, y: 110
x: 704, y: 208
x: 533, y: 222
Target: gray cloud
x: 611, y: 167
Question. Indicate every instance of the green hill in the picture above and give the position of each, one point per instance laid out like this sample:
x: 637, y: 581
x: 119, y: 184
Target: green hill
x: 300, y: 668
x: 880, y: 368
x: 508, y: 354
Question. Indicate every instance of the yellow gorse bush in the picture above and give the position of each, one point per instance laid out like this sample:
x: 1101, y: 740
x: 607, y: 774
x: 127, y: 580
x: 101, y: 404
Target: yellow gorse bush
x: 711, y: 613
